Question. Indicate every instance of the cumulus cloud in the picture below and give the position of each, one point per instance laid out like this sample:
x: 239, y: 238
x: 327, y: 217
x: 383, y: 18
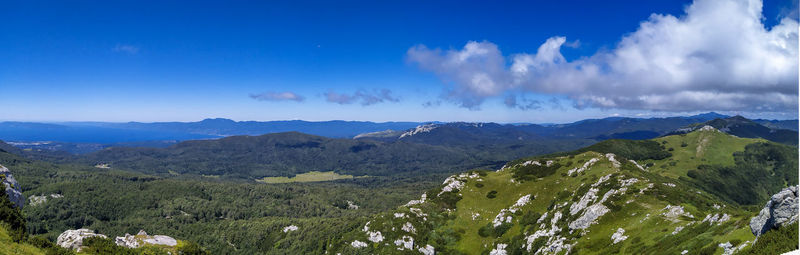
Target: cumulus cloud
x: 522, y: 103
x: 278, y: 96
x: 130, y: 49
x: 365, y: 97
x: 717, y: 56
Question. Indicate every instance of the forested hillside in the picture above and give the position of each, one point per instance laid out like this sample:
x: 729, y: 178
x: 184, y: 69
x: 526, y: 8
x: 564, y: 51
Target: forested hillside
x: 288, y: 154
x: 224, y: 217
x: 693, y: 193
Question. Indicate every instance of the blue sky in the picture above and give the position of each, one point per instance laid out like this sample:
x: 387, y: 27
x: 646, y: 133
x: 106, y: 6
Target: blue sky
x: 371, y: 60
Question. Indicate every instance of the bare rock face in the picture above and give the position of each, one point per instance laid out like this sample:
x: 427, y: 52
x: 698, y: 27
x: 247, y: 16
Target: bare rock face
x: 73, y: 239
x: 780, y: 210
x: 12, y: 187
x: 142, y: 238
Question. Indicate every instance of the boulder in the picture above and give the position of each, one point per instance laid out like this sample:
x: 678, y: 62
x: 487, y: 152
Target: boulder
x: 12, y: 187
x: 73, y: 239
x: 780, y: 210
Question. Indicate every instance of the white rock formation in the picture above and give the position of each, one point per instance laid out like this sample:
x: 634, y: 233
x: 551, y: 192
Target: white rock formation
x: 427, y: 250
x: 675, y: 211
x: 589, y: 216
x: 677, y: 230
x: 500, y: 249
x: 289, y: 228
x: 584, y: 167
x: 780, y: 210
x: 611, y: 158
x: 416, y: 202
x: 522, y: 201
x: 142, y: 238
x: 73, y: 239
x: 358, y: 244
x: 34, y: 200
x: 501, y: 218
x: 409, y: 228
x: 619, y: 236
x: 716, y: 218
x: 351, y: 205
x: 587, y: 198
x: 128, y: 240
x: 375, y: 237
x: 628, y: 182
x: 637, y: 164
x: 708, y: 128
x: 419, y: 129
x: 12, y: 187
x: 405, y: 243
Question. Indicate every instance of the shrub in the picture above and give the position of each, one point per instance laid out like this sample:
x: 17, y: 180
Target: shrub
x: 630, y: 149
x: 491, y: 194
x: 532, y: 171
x: 190, y: 248
x: 490, y: 231
x: 12, y: 217
x: 776, y: 241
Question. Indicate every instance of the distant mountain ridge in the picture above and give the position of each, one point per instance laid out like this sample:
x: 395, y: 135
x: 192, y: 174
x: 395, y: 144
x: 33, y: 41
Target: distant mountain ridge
x: 84, y: 137
x: 594, y: 129
x: 743, y: 127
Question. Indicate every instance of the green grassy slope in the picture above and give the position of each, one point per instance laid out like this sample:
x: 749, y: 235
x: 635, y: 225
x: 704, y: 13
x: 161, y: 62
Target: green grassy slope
x: 8, y: 246
x: 579, y: 202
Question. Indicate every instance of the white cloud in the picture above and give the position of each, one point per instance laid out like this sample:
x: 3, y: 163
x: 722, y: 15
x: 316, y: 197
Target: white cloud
x: 277, y: 96
x: 364, y: 96
x: 718, y: 56
x: 130, y: 49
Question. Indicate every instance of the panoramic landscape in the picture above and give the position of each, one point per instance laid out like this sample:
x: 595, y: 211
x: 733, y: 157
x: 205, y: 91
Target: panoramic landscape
x: 362, y: 127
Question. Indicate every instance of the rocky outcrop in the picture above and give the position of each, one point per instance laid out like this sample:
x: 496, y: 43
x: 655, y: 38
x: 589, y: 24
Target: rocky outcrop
x: 12, y: 187
x: 143, y: 238
x: 35, y: 200
x: 780, y: 210
x: 73, y: 239
x: 619, y: 236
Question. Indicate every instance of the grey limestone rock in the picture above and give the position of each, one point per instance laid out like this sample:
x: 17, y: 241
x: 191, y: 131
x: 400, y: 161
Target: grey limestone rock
x: 12, y: 187
x: 780, y: 210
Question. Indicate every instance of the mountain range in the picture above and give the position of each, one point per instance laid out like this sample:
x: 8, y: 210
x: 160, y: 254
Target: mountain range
x: 84, y: 137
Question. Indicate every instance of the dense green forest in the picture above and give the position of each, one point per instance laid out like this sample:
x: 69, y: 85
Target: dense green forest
x: 286, y: 154
x: 224, y: 217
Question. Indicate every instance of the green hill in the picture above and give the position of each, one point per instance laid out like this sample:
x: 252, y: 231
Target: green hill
x: 285, y: 154
x: 689, y: 193
x: 743, y: 127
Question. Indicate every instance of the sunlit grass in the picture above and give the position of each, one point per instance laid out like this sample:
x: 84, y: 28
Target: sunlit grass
x: 313, y: 176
